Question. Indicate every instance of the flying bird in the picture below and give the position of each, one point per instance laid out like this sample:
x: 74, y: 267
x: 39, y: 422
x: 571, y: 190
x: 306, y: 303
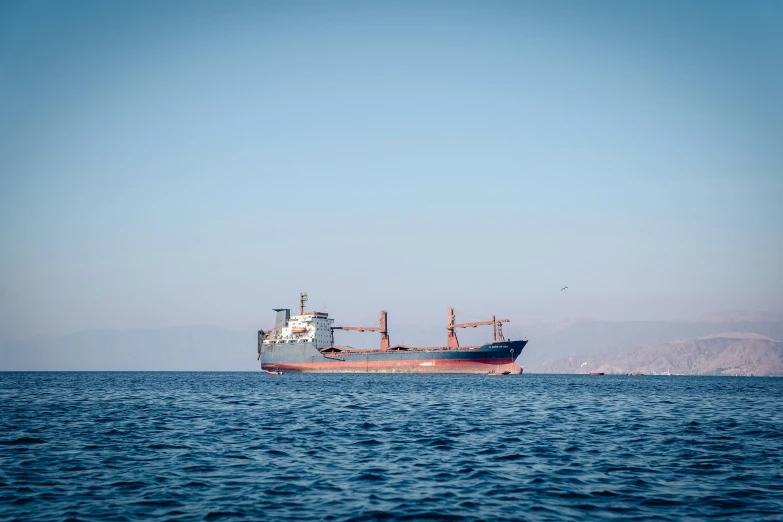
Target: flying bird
x: 563, y: 288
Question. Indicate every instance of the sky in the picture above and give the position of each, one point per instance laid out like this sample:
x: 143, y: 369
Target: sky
x: 176, y: 163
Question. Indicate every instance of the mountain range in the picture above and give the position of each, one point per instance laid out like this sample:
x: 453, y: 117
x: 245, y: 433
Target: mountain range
x: 731, y: 353
x: 717, y: 343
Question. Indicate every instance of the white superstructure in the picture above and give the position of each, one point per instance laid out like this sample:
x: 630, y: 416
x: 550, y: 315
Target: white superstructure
x: 310, y: 327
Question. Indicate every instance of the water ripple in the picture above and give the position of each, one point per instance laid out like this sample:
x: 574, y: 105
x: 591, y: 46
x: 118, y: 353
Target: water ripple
x: 211, y: 446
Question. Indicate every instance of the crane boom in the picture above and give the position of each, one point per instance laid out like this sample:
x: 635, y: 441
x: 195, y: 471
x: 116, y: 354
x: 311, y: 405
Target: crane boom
x: 275, y: 327
x: 451, y: 335
x: 382, y: 328
x: 358, y: 328
x: 479, y: 323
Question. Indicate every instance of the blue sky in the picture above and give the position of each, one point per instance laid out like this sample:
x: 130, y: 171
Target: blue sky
x: 201, y: 163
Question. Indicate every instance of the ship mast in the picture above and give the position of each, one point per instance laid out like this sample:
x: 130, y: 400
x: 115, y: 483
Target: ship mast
x: 302, y: 301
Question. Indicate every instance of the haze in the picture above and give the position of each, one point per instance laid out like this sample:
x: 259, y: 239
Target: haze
x: 181, y: 163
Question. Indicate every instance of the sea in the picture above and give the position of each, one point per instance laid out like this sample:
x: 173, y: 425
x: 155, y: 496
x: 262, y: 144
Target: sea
x: 251, y: 446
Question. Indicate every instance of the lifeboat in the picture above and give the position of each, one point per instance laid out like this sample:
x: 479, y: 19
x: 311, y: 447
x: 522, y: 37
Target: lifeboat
x: 299, y: 330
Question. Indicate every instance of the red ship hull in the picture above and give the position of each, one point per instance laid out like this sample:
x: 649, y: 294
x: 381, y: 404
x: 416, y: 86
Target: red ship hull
x: 402, y: 366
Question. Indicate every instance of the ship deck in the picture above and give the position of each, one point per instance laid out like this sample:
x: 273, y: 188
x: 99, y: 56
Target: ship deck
x: 334, y: 349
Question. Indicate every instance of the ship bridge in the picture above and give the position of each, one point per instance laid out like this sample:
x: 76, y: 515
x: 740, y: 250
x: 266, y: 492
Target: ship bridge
x: 307, y: 327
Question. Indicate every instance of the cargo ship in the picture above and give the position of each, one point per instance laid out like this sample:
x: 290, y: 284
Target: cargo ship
x: 305, y: 343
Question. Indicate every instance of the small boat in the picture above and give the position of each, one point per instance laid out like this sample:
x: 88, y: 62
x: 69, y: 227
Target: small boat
x: 493, y: 373
x: 274, y: 372
x: 596, y: 374
x: 636, y: 374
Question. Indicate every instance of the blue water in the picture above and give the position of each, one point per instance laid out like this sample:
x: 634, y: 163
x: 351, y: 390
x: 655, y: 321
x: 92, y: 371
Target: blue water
x: 195, y: 446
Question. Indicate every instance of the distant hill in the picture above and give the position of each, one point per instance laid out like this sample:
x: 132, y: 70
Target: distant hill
x: 733, y: 353
x: 593, y: 338
x: 185, y: 348
x: 212, y: 348
x: 746, y: 316
x: 737, y: 335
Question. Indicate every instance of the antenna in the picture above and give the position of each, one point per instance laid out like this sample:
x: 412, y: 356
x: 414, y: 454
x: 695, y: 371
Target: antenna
x: 302, y: 301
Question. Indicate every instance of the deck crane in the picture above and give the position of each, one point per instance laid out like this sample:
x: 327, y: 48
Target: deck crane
x: 382, y: 328
x: 265, y: 335
x: 451, y: 336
